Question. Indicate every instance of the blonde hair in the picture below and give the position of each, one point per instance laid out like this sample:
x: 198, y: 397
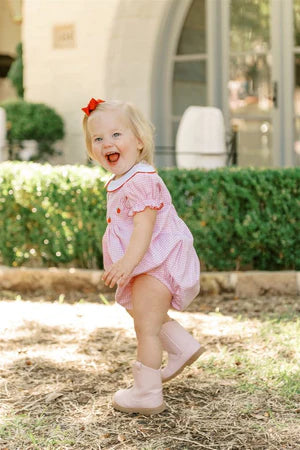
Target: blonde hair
x: 141, y: 128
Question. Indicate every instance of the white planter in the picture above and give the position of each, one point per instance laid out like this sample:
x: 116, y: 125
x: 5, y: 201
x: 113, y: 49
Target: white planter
x: 200, y: 141
x: 29, y: 149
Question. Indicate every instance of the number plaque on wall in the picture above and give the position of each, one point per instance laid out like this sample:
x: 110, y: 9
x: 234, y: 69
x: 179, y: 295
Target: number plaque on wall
x: 64, y: 36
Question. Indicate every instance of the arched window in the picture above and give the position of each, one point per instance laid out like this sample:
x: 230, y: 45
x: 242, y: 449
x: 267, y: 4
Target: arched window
x: 190, y: 64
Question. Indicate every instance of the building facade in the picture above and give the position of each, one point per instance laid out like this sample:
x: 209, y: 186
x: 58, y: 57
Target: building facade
x: 10, y: 36
x: 242, y: 56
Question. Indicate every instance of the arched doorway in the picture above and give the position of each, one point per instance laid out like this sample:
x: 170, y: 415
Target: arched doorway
x: 208, y: 49
x: 182, y: 70
x: 189, y: 84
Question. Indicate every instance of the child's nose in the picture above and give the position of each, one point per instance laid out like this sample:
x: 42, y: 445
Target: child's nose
x: 107, y: 143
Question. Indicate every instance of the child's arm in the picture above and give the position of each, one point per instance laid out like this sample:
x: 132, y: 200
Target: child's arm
x: 143, y: 224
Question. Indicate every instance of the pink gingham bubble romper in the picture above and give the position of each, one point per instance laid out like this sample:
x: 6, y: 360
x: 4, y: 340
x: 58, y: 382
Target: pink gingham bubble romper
x: 171, y: 257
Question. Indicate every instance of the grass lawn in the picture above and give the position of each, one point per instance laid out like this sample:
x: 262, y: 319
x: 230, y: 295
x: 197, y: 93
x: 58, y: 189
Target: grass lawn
x: 62, y: 358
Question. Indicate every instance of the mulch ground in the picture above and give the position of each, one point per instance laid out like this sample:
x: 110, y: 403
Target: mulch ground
x: 62, y: 358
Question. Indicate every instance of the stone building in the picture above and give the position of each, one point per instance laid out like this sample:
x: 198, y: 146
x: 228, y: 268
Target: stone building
x: 242, y: 56
x: 10, y: 36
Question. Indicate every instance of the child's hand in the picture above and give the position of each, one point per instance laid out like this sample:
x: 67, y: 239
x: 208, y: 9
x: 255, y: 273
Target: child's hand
x: 117, y: 273
x: 143, y: 224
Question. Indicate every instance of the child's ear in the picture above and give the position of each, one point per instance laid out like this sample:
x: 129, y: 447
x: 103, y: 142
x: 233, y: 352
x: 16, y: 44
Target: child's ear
x: 140, y: 145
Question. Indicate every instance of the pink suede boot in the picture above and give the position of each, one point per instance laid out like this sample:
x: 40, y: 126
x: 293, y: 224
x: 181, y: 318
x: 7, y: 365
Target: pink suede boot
x: 182, y: 349
x: 145, y: 397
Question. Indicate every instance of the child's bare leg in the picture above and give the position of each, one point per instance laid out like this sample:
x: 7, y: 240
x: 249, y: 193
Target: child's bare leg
x: 130, y: 312
x: 151, y: 300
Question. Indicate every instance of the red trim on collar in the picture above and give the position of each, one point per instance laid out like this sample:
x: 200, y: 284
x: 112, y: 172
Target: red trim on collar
x: 109, y: 181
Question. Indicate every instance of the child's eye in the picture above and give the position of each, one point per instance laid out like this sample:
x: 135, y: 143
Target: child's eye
x: 98, y: 139
x: 116, y: 134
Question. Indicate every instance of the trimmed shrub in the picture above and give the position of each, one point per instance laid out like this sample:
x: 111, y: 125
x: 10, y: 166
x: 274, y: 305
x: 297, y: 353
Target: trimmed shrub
x: 51, y: 216
x: 241, y: 219
x: 32, y: 121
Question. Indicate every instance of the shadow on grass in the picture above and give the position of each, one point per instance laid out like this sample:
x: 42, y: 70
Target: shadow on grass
x: 261, y: 308
x: 57, y: 404
x: 58, y: 395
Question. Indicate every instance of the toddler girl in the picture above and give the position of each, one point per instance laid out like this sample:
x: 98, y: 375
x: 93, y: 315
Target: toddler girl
x: 148, y: 250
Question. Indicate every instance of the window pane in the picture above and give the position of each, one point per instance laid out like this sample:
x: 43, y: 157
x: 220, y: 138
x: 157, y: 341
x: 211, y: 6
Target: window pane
x: 250, y: 84
x: 192, y: 39
x: 249, y: 25
x: 189, y: 85
x: 254, y: 143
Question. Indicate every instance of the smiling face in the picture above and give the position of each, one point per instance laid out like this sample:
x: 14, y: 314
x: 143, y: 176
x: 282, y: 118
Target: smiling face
x: 113, y: 143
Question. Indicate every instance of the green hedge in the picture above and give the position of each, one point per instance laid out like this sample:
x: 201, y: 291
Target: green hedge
x: 240, y: 218
x: 51, y: 216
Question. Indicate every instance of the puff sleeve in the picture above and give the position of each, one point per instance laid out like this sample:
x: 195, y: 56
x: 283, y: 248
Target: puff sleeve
x: 142, y: 191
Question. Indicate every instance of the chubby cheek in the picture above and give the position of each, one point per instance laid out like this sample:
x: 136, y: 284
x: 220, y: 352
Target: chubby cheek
x: 97, y: 156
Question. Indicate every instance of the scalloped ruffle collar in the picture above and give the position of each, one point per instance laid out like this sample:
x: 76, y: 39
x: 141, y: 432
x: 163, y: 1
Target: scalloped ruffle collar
x: 142, y: 167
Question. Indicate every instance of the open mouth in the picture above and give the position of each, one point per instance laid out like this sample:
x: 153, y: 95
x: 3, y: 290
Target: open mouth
x: 112, y: 157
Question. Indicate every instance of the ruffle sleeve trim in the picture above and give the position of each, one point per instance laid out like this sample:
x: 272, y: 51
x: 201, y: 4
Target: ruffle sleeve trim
x: 140, y: 207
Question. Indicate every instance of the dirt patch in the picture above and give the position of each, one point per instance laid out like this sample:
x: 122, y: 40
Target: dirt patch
x: 63, y: 358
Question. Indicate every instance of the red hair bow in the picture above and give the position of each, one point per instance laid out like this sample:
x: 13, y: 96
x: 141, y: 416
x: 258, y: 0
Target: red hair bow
x: 91, y: 106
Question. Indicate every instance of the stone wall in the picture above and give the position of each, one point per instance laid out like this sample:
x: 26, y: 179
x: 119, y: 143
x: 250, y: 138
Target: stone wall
x: 106, y: 50
x: 10, y: 31
x: 239, y: 284
x: 65, y: 56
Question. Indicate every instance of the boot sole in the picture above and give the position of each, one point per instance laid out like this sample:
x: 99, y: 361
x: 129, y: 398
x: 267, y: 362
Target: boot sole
x: 190, y: 361
x: 145, y: 411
